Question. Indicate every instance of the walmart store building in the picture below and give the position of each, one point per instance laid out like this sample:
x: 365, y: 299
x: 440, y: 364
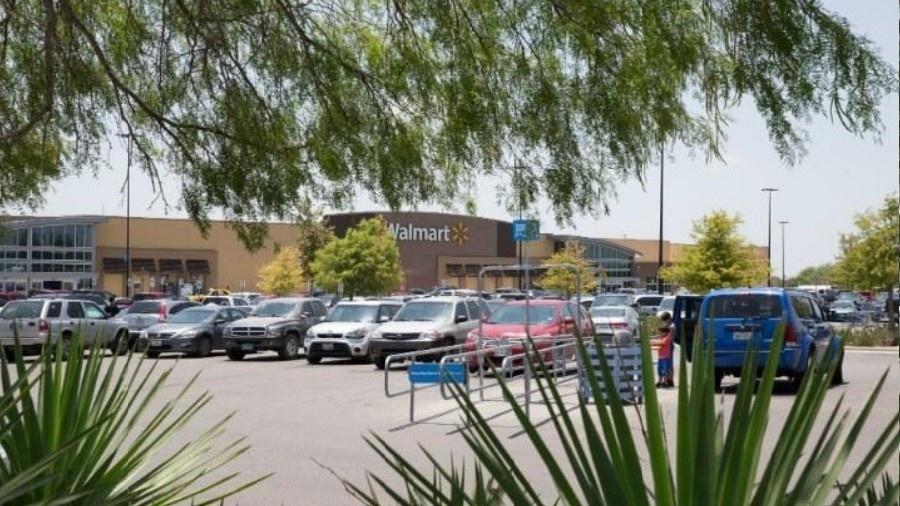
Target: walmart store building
x: 435, y: 249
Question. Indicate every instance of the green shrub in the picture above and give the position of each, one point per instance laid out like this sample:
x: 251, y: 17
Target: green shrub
x: 88, y: 431
x: 870, y: 336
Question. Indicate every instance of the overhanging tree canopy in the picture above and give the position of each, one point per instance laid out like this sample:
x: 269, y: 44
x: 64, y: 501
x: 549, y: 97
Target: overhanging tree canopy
x: 255, y: 105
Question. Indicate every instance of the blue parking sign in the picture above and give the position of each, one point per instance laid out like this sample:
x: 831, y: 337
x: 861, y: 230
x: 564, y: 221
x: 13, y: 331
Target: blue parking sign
x: 526, y: 230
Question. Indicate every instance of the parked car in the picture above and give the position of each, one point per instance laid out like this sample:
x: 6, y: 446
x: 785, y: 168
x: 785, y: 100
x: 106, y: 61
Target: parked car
x: 608, y: 319
x: 613, y: 299
x: 843, y: 310
x: 144, y: 313
x: 737, y: 318
x: 666, y: 305
x: 648, y: 304
x: 139, y: 296
x: 41, y: 322
x: 252, y: 298
x: 344, y: 333
x: 199, y: 297
x: 226, y: 300
x: 548, y: 320
x: 431, y: 322
x: 277, y: 324
x: 195, y: 331
x: 5, y: 297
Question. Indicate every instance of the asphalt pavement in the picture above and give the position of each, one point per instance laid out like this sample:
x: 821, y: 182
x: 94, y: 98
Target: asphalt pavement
x: 307, y: 423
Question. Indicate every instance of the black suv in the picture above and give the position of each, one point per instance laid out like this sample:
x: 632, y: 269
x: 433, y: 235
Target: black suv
x: 276, y: 324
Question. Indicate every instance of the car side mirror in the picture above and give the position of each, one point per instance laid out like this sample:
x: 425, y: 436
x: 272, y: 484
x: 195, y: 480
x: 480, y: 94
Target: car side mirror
x: 384, y: 318
x: 220, y: 321
x: 305, y: 315
x: 568, y: 320
x: 461, y: 318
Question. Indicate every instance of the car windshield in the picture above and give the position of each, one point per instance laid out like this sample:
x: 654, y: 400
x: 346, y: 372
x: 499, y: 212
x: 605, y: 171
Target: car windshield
x: 193, y: 315
x: 145, y: 307
x: 667, y: 305
x: 353, y: 313
x: 219, y: 301
x: 275, y: 309
x: 608, y: 312
x: 649, y: 301
x: 612, y: 300
x: 425, y: 312
x: 843, y: 304
x: 515, y: 314
x: 753, y: 305
x: 22, y: 309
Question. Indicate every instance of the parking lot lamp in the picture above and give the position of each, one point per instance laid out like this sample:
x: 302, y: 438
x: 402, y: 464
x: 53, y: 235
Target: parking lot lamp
x: 783, y: 223
x: 128, y: 285
x: 769, y: 246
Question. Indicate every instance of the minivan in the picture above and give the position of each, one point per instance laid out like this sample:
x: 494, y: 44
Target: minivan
x: 735, y: 318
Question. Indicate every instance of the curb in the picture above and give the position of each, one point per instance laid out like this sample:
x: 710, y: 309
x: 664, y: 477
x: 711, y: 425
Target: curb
x: 874, y: 349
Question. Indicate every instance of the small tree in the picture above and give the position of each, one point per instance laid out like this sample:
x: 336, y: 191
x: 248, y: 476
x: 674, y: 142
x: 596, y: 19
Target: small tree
x: 365, y: 261
x: 869, y: 257
x: 814, y: 275
x: 314, y: 234
x: 563, y: 279
x: 719, y: 259
x: 283, y: 275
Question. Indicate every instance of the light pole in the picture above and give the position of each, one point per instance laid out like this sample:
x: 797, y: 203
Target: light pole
x: 127, y: 219
x: 769, y: 246
x: 659, y: 264
x: 783, y: 223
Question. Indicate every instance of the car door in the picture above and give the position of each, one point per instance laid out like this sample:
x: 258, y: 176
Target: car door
x: 685, y: 316
x: 96, y: 320
x: 810, y: 318
x: 223, y: 317
x: 76, y: 323
x: 463, y: 323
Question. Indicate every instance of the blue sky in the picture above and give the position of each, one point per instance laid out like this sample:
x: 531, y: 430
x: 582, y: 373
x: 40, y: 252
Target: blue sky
x: 842, y: 175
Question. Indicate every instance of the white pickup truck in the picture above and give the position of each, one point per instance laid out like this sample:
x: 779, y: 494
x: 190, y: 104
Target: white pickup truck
x: 41, y: 322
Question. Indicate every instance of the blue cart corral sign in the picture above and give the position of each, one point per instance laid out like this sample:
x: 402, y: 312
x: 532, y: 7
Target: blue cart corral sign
x: 430, y: 373
x: 526, y: 230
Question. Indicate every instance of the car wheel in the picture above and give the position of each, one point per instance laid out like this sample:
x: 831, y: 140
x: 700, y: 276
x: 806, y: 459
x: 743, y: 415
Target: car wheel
x: 380, y: 362
x: 65, y: 345
x: 290, y: 348
x: 717, y: 379
x: 119, y: 346
x: 797, y: 379
x: 152, y: 354
x: 312, y: 359
x: 838, y: 378
x: 204, y: 347
x: 234, y: 354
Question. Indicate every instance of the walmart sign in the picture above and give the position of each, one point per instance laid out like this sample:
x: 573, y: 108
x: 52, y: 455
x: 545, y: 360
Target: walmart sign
x: 458, y: 233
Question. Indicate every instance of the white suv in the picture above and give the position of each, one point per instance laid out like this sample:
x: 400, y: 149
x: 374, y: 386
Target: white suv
x: 345, y: 332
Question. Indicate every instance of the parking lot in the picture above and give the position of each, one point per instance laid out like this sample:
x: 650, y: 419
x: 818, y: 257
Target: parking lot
x: 307, y: 423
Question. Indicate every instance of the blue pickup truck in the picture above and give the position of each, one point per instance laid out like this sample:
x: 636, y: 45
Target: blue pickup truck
x: 735, y: 318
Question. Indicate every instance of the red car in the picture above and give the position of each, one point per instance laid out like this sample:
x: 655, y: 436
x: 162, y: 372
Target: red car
x: 548, y: 320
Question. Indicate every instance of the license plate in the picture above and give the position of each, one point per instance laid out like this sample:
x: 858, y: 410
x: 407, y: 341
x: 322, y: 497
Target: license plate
x: 155, y: 342
x: 327, y: 346
x: 247, y: 347
x: 742, y: 336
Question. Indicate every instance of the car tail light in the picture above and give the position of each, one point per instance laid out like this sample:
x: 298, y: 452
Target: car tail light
x: 43, y: 326
x: 163, y: 313
x: 790, y: 335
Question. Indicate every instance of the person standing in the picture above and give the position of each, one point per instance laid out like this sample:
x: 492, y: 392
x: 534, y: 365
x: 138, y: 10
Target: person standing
x: 664, y: 367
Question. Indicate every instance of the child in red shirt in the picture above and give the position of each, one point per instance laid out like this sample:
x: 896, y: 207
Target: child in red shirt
x: 664, y: 366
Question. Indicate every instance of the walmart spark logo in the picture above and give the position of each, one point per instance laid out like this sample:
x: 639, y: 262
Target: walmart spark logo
x: 459, y: 233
